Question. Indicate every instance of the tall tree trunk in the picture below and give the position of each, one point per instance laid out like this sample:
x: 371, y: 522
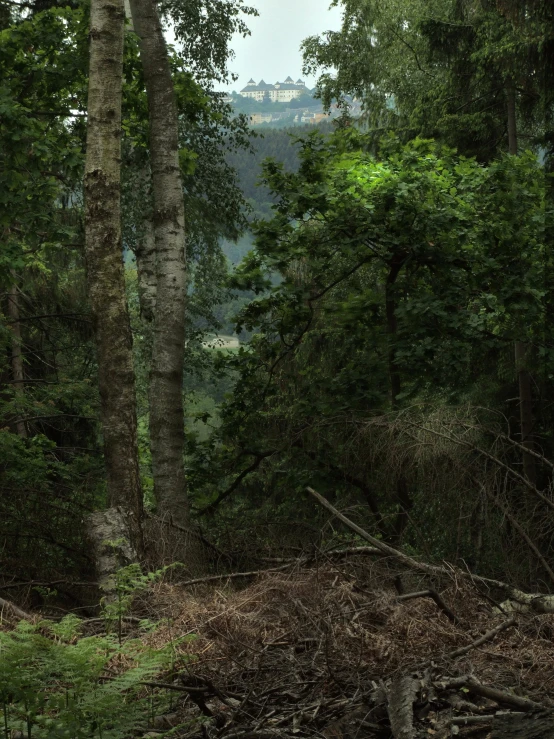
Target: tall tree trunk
x: 116, y: 377
x: 521, y: 348
x: 145, y: 253
x: 17, y: 355
x: 167, y: 436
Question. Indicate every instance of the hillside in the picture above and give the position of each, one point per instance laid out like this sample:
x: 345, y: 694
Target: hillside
x: 280, y: 144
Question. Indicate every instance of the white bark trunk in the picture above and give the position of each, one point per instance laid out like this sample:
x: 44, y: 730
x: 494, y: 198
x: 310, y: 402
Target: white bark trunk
x: 145, y: 253
x: 105, y: 262
x: 166, y: 397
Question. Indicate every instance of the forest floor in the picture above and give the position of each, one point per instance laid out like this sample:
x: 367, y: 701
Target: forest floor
x: 348, y: 647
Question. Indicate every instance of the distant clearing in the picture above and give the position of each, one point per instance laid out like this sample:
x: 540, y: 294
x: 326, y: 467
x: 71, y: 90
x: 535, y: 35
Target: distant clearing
x: 222, y: 342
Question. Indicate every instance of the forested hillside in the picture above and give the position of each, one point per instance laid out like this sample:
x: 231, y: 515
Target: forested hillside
x: 276, y: 411
x: 282, y: 145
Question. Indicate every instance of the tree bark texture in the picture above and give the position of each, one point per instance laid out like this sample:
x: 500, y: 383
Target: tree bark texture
x: 528, y: 726
x: 145, y: 253
x: 108, y: 537
x: 17, y: 355
x: 167, y: 436
x: 401, y: 697
x: 521, y: 348
x: 116, y: 378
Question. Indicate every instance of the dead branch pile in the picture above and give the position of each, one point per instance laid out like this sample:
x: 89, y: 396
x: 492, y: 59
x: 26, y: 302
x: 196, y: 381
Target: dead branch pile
x: 331, y: 649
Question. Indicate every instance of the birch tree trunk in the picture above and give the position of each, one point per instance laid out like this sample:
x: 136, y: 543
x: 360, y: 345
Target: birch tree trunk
x: 145, y: 253
x: 108, y: 301
x: 167, y: 436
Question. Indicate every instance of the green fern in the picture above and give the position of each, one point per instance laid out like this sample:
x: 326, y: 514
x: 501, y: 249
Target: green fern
x: 55, y: 683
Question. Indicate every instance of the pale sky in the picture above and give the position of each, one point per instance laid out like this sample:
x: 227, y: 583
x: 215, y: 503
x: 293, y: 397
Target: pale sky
x: 272, y: 52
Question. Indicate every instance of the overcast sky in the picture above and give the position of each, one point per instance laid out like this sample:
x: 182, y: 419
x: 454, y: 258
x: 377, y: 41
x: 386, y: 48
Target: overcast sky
x: 272, y: 52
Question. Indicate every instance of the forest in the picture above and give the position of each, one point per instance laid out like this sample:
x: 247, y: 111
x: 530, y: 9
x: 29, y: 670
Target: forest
x: 276, y: 408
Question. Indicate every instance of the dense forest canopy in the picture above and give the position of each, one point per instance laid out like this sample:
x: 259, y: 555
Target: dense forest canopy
x: 199, y: 322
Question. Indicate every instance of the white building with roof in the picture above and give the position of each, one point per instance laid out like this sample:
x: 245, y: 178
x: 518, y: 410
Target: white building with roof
x: 280, y: 92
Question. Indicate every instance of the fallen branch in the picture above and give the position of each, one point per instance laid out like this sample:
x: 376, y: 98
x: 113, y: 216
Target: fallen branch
x: 11, y: 608
x: 232, y: 575
x: 385, y: 548
x: 193, y: 532
x: 499, y: 696
x: 505, y: 437
x: 103, y: 619
x: 172, y: 686
x: 535, y: 601
x: 210, y: 508
x: 438, y: 600
x: 482, y: 639
x: 52, y: 583
x: 338, y: 553
x: 517, y: 526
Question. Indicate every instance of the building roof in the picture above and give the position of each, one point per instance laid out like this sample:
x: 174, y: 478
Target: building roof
x: 292, y: 86
x: 262, y: 86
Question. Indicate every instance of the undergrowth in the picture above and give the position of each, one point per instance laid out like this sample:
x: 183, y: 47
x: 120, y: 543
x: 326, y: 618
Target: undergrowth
x: 57, y: 682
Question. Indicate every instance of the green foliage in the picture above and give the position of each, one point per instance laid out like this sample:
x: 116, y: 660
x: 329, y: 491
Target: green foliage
x: 55, y: 682
x: 282, y: 145
x: 441, y: 69
x: 128, y: 583
x: 403, y: 276
x: 205, y: 28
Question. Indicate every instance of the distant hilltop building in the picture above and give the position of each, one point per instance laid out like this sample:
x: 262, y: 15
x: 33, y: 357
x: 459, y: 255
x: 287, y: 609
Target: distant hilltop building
x: 280, y: 92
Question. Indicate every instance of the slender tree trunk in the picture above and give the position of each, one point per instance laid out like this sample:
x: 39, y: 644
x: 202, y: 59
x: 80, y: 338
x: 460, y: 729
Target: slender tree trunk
x: 521, y: 348
x: 17, y: 356
x: 116, y: 378
x: 167, y: 435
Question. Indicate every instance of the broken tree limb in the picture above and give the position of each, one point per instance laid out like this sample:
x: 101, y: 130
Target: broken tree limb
x: 517, y: 526
x: 385, y: 548
x: 289, y: 562
x: 323, y: 554
x: 10, y: 609
x: 189, y: 531
x: 438, y: 600
x: 499, y: 696
x: 483, y: 718
x: 482, y: 639
x: 232, y: 575
x: 534, y: 601
x: 210, y: 508
x: 513, y: 442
